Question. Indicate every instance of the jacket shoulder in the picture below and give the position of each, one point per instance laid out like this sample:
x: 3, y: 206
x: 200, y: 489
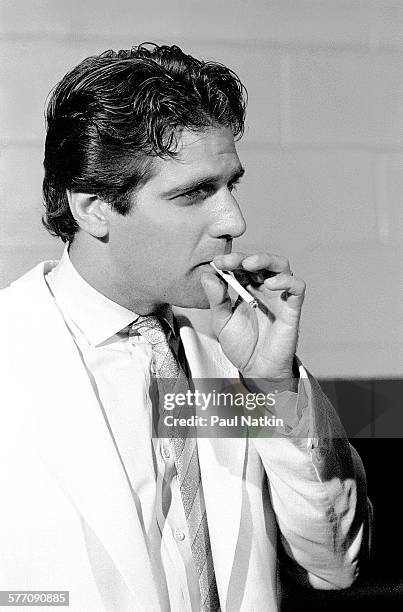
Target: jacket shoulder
x: 23, y: 294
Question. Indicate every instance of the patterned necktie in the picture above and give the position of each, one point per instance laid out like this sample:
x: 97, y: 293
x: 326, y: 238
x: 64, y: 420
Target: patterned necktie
x: 187, y: 464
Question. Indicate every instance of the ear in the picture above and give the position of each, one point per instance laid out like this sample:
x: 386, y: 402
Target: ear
x: 90, y: 213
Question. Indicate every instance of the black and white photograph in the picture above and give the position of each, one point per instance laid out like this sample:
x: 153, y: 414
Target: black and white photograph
x: 201, y: 305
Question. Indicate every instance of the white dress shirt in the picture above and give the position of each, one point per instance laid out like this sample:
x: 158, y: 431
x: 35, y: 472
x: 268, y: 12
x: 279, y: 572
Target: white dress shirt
x: 119, y: 367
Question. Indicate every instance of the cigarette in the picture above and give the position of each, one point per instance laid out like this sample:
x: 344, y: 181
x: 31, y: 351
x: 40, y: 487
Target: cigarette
x: 232, y: 281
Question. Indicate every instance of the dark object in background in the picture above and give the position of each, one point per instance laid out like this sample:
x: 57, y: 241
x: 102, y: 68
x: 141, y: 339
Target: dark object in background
x: 371, y: 411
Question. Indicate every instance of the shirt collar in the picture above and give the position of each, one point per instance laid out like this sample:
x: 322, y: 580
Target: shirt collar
x: 95, y: 315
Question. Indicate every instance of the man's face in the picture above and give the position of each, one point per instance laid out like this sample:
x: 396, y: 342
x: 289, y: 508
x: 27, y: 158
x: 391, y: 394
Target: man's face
x: 180, y: 220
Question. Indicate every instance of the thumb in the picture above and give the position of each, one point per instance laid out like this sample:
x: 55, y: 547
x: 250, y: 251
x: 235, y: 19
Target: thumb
x: 218, y: 297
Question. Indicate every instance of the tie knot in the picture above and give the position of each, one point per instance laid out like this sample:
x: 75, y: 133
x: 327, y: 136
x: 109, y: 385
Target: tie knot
x: 150, y: 327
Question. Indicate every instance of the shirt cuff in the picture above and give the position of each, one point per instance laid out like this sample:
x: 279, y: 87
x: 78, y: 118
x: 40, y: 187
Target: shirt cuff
x: 292, y: 407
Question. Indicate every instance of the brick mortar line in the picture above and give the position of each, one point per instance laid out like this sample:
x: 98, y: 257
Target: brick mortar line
x: 77, y: 38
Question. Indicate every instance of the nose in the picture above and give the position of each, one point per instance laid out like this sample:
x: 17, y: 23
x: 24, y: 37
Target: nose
x: 228, y: 219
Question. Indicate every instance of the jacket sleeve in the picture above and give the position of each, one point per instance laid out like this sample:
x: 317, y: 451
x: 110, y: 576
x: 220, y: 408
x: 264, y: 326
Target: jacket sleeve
x: 317, y: 486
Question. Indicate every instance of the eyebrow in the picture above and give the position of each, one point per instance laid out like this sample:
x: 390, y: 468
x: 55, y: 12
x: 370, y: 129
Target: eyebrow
x: 202, y: 182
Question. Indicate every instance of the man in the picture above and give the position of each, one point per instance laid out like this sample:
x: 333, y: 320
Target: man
x: 140, y: 172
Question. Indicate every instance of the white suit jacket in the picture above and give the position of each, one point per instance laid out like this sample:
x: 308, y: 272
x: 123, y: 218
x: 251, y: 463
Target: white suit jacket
x: 68, y: 518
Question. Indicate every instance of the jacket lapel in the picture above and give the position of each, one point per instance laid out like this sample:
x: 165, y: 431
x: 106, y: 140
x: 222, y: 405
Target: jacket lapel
x: 221, y: 460
x: 64, y: 419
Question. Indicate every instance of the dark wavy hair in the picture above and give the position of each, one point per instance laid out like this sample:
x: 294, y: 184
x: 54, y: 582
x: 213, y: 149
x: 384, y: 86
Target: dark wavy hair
x: 111, y: 115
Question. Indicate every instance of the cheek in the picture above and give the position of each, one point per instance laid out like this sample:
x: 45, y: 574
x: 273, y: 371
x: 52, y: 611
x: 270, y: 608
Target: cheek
x: 163, y: 245
x: 131, y: 236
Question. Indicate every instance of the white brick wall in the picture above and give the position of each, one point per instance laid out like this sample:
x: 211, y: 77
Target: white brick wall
x: 308, y: 198
x: 323, y: 146
x: 347, y: 98
x: 20, y: 194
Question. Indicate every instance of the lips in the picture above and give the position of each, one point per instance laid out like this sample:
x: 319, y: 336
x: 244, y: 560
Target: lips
x: 227, y: 250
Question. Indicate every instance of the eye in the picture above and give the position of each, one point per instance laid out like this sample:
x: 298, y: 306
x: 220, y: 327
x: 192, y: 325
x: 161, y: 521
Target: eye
x: 190, y: 195
x: 199, y: 193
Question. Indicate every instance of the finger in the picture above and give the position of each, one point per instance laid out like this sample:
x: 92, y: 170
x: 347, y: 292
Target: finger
x: 231, y: 261
x: 266, y: 261
x: 253, y: 269
x: 284, y: 281
x: 220, y: 303
x: 254, y: 278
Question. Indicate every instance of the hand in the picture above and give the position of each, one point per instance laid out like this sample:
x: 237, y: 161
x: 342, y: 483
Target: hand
x: 260, y: 342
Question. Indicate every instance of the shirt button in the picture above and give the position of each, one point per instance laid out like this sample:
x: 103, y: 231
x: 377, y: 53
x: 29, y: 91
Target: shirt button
x: 179, y: 535
x: 166, y: 453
